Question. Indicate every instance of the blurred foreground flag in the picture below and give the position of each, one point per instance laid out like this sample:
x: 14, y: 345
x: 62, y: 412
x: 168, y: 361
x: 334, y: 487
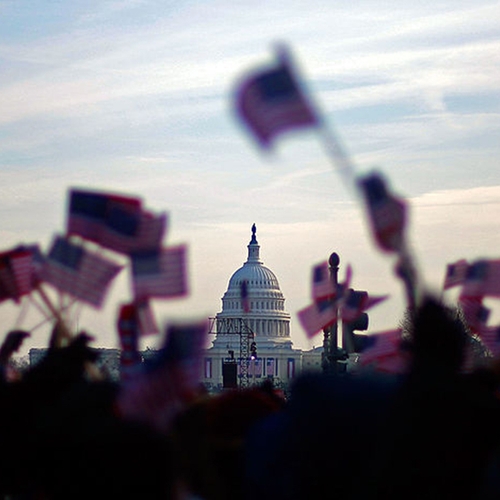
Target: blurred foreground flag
x: 490, y: 336
x: 169, y: 380
x: 115, y: 222
x: 475, y: 313
x: 18, y: 271
x: 381, y: 345
x: 270, y: 102
x: 146, y: 321
x: 455, y: 274
x: 72, y: 269
x: 127, y: 326
x: 356, y: 302
x: 482, y: 279
x: 386, y: 213
x: 322, y: 283
x: 160, y: 273
x: 317, y: 316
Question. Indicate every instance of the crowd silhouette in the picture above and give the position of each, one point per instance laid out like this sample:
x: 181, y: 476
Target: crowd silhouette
x: 429, y: 433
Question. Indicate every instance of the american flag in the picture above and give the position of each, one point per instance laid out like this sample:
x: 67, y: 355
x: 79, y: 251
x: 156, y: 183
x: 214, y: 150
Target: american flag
x: 396, y: 363
x: 356, y: 302
x: 270, y: 367
x: 271, y: 101
x: 320, y: 314
x: 115, y: 222
x: 387, y: 214
x: 8, y: 289
x: 382, y: 344
x: 127, y: 326
x: 455, y: 274
x: 482, y: 279
x: 146, y: 320
x: 160, y: 273
x: 90, y: 211
x: 144, y: 233
x: 255, y: 367
x: 245, y: 301
x: 475, y: 313
x: 18, y: 271
x: 167, y: 382
x: 322, y: 283
x: 83, y: 274
x: 490, y: 336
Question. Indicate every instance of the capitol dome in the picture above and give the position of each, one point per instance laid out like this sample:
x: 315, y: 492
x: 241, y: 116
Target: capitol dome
x: 262, y: 305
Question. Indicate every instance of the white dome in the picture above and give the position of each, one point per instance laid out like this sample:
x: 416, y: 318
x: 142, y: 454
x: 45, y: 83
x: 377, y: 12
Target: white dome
x: 263, y: 308
x: 256, y: 275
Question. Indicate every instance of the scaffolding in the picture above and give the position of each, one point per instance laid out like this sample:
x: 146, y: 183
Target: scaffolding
x: 236, y: 326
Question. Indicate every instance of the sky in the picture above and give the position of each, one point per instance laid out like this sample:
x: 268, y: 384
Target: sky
x: 137, y: 97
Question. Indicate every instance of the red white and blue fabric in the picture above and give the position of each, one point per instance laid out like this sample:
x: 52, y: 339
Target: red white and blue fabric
x: 455, y: 274
x: 357, y: 302
x: 475, y: 313
x: 83, y: 274
x: 270, y: 367
x: 160, y: 273
x: 146, y: 321
x: 270, y: 102
x: 490, y: 336
x: 387, y: 213
x: 320, y: 314
x: 482, y: 279
x: 381, y: 345
x: 128, y: 332
x: 167, y: 382
x: 245, y: 300
x: 115, y: 222
x: 322, y: 283
x: 18, y: 271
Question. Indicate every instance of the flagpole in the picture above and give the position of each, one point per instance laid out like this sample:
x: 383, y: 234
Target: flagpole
x: 337, y: 154
x: 64, y: 329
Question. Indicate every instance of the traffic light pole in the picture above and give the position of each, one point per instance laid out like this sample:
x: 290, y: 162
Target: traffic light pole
x: 330, y: 339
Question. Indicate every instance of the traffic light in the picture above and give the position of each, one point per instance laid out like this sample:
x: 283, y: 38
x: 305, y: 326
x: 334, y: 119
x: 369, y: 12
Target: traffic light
x: 355, y: 342
x: 253, y: 350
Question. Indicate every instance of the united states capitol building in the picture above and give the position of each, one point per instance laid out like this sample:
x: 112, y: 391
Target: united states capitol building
x: 251, y: 335
x: 252, y: 332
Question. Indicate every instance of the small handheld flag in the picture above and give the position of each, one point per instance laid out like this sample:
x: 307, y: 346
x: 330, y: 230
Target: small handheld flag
x: 160, y: 273
x: 270, y: 102
x: 455, y: 274
x: 83, y: 274
x: 386, y: 213
x: 318, y: 315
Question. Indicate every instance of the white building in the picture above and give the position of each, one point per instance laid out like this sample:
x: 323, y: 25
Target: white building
x: 258, y: 316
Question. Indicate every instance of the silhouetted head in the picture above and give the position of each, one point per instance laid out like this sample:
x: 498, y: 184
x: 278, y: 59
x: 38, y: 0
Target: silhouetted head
x: 439, y: 338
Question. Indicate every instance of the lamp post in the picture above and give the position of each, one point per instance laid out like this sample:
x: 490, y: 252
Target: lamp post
x: 330, y: 338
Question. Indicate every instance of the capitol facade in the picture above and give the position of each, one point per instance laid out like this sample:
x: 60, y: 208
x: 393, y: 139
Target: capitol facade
x: 252, y: 332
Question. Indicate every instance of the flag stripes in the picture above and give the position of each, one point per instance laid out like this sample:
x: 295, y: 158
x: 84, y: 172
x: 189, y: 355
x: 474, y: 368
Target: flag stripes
x: 270, y: 102
x: 74, y: 270
x: 161, y: 273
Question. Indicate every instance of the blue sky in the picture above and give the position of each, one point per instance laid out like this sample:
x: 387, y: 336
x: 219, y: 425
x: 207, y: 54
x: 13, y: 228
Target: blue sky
x: 136, y: 96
